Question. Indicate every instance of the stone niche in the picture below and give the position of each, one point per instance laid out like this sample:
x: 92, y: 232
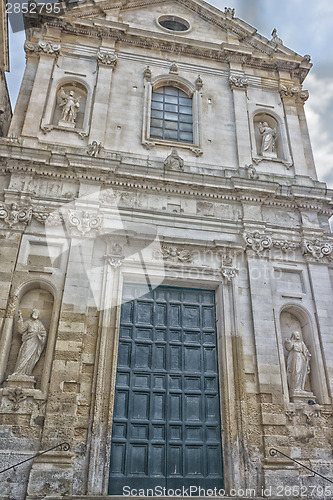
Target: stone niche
x: 296, y: 319
x: 36, y: 298
x: 80, y: 95
x: 272, y: 122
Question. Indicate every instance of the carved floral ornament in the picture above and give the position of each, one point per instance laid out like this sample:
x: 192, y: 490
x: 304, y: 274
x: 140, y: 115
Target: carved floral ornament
x: 43, y: 47
x: 228, y: 273
x: 14, y: 214
x: 107, y: 59
x: 83, y: 221
x: 238, y: 82
x: 173, y: 253
x: 293, y: 91
x: 317, y: 250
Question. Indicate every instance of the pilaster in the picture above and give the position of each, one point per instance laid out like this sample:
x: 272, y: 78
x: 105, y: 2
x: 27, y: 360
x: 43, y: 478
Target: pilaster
x: 238, y: 84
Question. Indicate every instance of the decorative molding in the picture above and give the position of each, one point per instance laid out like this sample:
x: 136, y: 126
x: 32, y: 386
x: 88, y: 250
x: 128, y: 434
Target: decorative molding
x: 148, y: 145
x: 114, y: 262
x: 197, y: 151
x: 107, y: 59
x: 317, y: 250
x: 258, y: 242
x: 174, y: 254
x: 94, y: 148
x: 83, y: 220
x: 294, y: 92
x: 11, y: 306
x: 12, y: 214
x: 238, y: 82
x: 285, y: 245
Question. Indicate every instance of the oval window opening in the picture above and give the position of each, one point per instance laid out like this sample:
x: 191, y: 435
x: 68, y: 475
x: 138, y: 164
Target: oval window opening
x: 174, y: 23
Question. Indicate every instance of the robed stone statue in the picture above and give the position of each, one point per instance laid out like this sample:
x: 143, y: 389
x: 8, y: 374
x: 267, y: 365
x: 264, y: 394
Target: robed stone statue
x: 298, y: 363
x: 33, y: 342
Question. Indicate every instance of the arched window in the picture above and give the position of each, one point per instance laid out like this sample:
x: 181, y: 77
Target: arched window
x: 171, y: 115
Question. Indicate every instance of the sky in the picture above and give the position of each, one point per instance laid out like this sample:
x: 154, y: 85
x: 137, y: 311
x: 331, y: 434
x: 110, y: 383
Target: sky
x: 305, y: 26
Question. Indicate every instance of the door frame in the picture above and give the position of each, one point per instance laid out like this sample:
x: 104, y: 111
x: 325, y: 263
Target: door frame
x: 233, y: 426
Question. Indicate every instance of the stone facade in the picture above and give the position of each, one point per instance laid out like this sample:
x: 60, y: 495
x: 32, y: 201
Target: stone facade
x: 92, y: 199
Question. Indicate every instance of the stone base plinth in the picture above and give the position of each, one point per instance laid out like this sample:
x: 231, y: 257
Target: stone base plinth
x: 303, y: 397
x: 63, y: 123
x: 24, y: 381
x: 268, y: 155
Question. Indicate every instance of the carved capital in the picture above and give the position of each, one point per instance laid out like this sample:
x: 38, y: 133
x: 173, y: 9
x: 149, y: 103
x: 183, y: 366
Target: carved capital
x: 197, y: 151
x: 291, y: 91
x: 228, y: 273
x: 107, y: 59
x: 13, y: 214
x: 114, y: 262
x: 83, y: 221
x: 238, y: 82
x: 258, y: 242
x: 317, y: 250
x: 42, y: 47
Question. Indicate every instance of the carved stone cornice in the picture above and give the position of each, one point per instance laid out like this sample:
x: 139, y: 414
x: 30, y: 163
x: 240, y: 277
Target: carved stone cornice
x: 174, y: 254
x: 83, y: 221
x: 258, y: 242
x: 292, y: 91
x: 107, y: 59
x: 238, y: 82
x: 317, y: 250
x: 44, y: 47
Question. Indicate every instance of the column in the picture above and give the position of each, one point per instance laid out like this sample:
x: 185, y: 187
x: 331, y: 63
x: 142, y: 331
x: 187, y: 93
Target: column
x: 290, y: 93
x: 106, y: 63
x: 48, y: 52
x: 238, y: 85
x: 25, y: 92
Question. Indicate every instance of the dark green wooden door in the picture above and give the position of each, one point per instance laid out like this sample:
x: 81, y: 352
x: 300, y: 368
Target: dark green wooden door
x: 166, y: 423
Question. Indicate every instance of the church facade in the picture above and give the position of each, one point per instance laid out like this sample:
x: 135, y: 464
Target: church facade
x: 166, y: 261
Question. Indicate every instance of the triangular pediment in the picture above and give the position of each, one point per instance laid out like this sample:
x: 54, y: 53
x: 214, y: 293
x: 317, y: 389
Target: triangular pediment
x: 207, y: 23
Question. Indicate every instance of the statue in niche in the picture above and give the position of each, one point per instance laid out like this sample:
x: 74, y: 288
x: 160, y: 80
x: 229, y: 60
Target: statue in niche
x: 268, y: 139
x: 70, y: 105
x: 298, y: 363
x: 33, y: 342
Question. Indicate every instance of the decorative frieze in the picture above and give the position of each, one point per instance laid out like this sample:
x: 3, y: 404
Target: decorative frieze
x: 285, y: 245
x: 174, y: 254
x: 107, y: 59
x: 317, y: 250
x: 238, y: 82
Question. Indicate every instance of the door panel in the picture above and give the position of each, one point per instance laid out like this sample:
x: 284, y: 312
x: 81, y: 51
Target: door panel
x: 166, y: 426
